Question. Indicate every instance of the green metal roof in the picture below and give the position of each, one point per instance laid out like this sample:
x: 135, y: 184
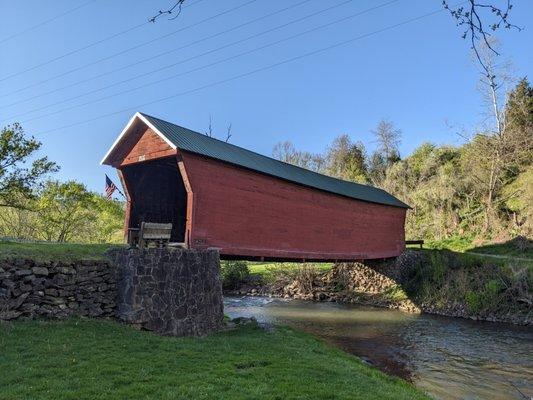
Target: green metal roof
x: 194, y: 142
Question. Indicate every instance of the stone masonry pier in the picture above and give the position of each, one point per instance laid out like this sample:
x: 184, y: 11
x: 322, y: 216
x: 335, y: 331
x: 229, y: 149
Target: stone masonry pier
x: 172, y: 292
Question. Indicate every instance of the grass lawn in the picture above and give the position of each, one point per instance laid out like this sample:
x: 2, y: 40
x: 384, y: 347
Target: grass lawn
x: 262, y: 268
x: 95, y: 359
x: 53, y: 251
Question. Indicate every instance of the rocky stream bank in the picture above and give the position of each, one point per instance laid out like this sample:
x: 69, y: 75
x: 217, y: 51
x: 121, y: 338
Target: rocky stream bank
x: 415, y: 282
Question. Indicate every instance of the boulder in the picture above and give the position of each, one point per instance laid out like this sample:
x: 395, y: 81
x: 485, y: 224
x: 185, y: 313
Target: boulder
x: 40, y: 271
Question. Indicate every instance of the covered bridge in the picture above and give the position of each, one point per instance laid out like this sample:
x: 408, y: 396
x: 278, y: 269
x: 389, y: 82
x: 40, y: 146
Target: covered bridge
x: 218, y: 195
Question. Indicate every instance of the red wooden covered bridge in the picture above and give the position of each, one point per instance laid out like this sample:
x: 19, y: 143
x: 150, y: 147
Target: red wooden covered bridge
x: 218, y: 195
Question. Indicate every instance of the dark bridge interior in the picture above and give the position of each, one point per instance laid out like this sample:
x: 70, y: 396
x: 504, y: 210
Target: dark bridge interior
x: 157, y: 195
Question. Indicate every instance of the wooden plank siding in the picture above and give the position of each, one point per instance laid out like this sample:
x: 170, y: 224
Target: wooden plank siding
x: 245, y: 213
x: 141, y: 145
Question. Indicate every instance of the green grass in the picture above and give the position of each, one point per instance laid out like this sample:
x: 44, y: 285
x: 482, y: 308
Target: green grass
x: 464, y: 244
x: 262, y: 268
x: 503, y: 249
x: 91, y: 359
x: 455, y: 243
x: 53, y: 251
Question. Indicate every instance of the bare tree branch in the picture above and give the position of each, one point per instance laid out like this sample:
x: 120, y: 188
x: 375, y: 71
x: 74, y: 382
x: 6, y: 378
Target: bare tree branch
x: 209, y: 131
x: 175, y: 9
x: 228, y: 133
x: 472, y: 16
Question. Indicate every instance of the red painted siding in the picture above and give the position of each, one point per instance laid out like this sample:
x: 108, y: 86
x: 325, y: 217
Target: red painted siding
x: 141, y: 145
x: 244, y: 213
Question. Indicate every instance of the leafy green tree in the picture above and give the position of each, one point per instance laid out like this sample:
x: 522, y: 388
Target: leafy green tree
x: 499, y: 152
x: 65, y: 212
x: 519, y: 123
x: 108, y: 225
x: 346, y: 160
x: 429, y: 180
x: 19, y: 222
x: 519, y: 203
x: 64, y: 209
x: 19, y: 175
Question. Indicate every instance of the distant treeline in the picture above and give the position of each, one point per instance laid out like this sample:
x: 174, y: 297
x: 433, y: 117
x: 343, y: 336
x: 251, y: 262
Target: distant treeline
x: 482, y: 189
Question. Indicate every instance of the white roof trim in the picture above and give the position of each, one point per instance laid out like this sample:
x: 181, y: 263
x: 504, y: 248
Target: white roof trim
x: 126, y: 129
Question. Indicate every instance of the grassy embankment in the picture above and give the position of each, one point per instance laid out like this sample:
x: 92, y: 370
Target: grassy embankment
x: 486, y: 286
x: 465, y: 244
x: 53, y: 251
x: 91, y: 359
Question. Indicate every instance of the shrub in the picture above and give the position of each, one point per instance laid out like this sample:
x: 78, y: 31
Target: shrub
x: 485, y: 299
x: 473, y: 301
x: 395, y: 293
x: 234, y: 273
x: 304, y: 275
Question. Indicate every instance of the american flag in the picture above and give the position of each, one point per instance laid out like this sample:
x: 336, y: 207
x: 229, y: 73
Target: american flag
x: 110, y: 187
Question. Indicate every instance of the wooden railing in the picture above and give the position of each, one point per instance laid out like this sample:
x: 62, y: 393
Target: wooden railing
x: 419, y: 242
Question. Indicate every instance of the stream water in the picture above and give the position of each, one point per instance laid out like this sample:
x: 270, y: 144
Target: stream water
x: 449, y: 358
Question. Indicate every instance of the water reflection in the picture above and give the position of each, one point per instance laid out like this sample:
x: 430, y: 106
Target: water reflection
x: 449, y: 358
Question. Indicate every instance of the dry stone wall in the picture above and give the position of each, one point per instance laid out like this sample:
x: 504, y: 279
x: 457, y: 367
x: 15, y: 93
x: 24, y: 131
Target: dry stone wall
x: 56, y: 289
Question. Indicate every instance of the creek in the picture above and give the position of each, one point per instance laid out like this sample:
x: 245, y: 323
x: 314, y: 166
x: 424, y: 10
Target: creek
x: 448, y: 358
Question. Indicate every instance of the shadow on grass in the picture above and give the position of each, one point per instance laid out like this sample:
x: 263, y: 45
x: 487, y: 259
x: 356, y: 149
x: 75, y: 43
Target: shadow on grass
x: 520, y: 247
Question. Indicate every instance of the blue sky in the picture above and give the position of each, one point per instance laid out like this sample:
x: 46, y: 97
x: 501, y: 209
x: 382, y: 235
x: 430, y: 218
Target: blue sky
x: 419, y: 75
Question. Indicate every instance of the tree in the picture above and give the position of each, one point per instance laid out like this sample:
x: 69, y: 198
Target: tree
x: 519, y: 122
x: 109, y: 221
x: 346, y: 160
x: 518, y: 203
x: 65, y: 212
x: 387, y: 153
x: 19, y: 222
x: 286, y: 152
x: 431, y: 182
x: 502, y: 145
x: 388, y: 139
x: 19, y: 176
x: 63, y: 209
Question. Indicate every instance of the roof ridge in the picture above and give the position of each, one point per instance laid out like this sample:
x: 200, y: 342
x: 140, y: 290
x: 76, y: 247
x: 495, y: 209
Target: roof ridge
x: 344, y: 190
x: 262, y: 155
